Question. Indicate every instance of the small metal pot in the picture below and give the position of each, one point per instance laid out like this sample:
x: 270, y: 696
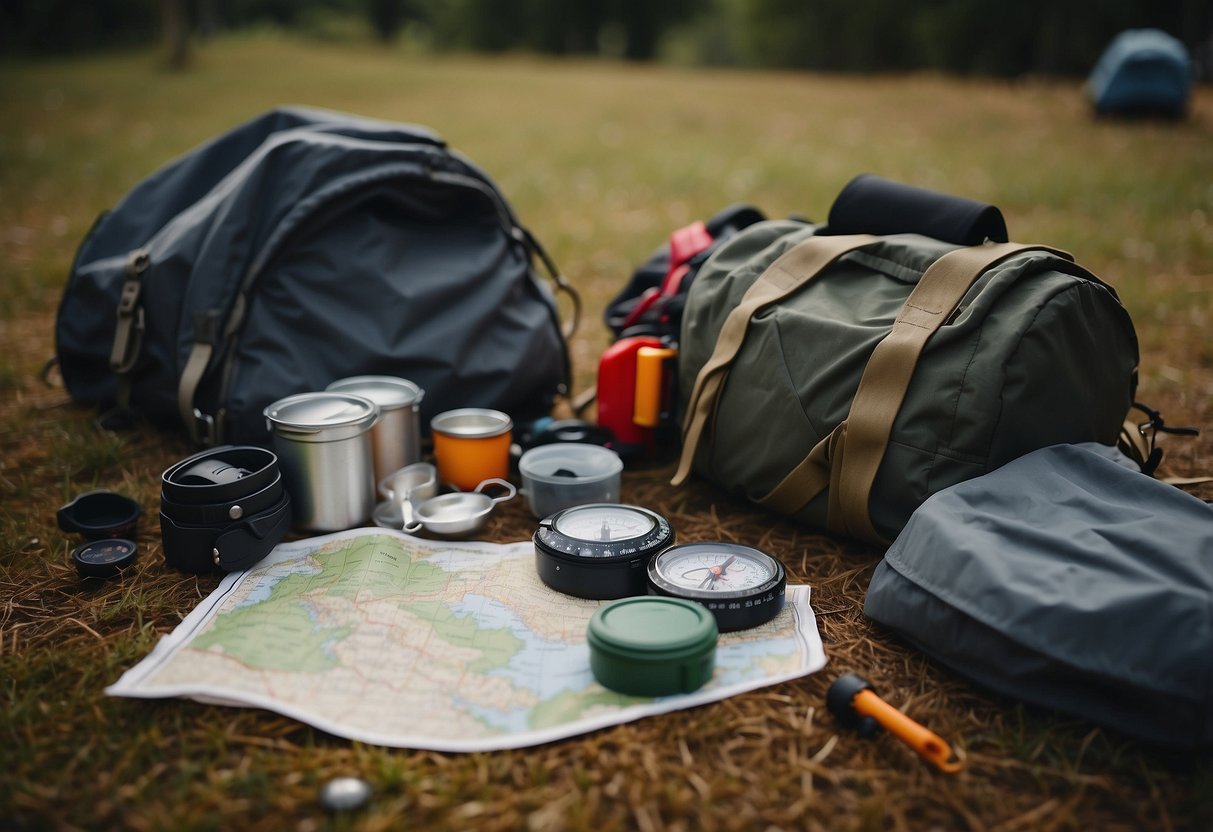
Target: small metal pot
x: 417, y: 482
x: 324, y: 449
x: 396, y: 437
x: 461, y: 513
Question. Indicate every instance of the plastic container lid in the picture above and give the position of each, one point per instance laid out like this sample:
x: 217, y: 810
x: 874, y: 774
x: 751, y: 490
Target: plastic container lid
x: 563, y: 475
x: 569, y: 464
x: 322, y: 417
x: 388, y: 392
x: 652, y: 646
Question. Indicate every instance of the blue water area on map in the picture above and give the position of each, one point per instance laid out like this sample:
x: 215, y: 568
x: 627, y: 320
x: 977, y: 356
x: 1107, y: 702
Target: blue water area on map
x: 735, y: 662
x: 544, y: 667
x: 506, y: 721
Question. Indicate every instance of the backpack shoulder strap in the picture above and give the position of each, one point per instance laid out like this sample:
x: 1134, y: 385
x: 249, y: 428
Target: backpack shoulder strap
x: 200, y: 427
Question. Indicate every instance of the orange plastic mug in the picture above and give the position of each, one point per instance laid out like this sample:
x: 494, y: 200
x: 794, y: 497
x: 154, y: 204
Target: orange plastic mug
x: 471, y: 445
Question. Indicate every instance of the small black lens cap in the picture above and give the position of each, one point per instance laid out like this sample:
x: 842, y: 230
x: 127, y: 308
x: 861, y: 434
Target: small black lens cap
x: 98, y: 515
x: 104, y: 558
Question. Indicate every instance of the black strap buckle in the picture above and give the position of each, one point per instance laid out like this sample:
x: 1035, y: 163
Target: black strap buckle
x: 204, y: 428
x: 1150, y: 429
x: 1155, y: 423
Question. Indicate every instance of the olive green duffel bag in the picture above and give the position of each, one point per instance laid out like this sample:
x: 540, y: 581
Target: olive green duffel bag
x: 842, y: 380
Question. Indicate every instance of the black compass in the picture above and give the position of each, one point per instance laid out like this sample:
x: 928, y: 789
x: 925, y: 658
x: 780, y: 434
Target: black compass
x: 743, y: 587
x: 599, y: 550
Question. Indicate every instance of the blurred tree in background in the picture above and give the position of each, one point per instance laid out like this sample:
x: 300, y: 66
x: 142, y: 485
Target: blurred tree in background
x: 1048, y: 37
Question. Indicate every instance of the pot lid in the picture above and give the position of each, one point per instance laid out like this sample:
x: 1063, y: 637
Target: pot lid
x: 568, y: 463
x: 388, y: 392
x: 647, y: 627
x: 316, y: 411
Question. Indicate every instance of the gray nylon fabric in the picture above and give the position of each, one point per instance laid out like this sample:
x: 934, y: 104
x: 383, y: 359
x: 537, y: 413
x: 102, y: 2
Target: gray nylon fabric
x: 1037, y: 354
x: 1069, y: 580
x: 361, y: 248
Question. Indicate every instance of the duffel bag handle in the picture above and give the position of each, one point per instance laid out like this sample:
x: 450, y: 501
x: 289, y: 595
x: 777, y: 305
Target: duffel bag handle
x: 852, y: 453
x: 790, y: 272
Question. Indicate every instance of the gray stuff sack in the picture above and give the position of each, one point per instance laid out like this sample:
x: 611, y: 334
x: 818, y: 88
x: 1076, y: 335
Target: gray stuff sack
x: 1065, y: 579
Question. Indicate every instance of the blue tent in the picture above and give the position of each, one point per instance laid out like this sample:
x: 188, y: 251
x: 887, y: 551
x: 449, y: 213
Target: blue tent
x: 1142, y: 71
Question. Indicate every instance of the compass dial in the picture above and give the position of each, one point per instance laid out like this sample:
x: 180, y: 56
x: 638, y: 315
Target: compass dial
x: 716, y: 570
x: 743, y: 587
x: 604, y: 523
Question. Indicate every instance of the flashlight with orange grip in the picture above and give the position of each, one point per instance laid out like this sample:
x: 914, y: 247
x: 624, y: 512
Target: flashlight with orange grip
x: 635, y: 393
x: 636, y: 373
x: 852, y: 700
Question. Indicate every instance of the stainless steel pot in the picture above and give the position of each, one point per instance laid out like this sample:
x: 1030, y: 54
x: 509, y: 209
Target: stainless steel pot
x: 396, y: 437
x: 324, y: 449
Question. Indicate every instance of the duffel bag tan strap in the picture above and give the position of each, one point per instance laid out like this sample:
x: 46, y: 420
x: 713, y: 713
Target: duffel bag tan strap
x: 787, y: 275
x: 806, y: 480
x: 882, y: 388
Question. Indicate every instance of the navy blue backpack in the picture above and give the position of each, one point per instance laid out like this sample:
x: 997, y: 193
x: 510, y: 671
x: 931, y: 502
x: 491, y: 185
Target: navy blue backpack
x: 302, y: 247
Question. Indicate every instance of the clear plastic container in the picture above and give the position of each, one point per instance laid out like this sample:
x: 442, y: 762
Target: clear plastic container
x: 565, y: 474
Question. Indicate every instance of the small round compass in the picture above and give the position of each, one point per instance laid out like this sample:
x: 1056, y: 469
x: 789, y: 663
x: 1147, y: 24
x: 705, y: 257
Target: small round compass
x: 743, y: 587
x: 599, y: 550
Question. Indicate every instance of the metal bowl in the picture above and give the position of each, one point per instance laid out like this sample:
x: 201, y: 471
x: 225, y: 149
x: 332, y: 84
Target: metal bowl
x: 459, y: 514
x: 402, y: 492
x: 415, y: 482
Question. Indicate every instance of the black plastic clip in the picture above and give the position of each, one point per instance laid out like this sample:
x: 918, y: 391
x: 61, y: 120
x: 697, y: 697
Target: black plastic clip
x: 1150, y: 429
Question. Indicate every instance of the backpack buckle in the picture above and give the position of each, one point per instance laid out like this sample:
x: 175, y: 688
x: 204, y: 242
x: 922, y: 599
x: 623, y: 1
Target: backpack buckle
x: 204, y: 428
x: 128, y: 334
x: 128, y: 339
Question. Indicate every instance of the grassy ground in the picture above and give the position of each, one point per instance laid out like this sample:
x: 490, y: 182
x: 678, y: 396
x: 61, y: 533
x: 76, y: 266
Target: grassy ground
x: 601, y: 161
